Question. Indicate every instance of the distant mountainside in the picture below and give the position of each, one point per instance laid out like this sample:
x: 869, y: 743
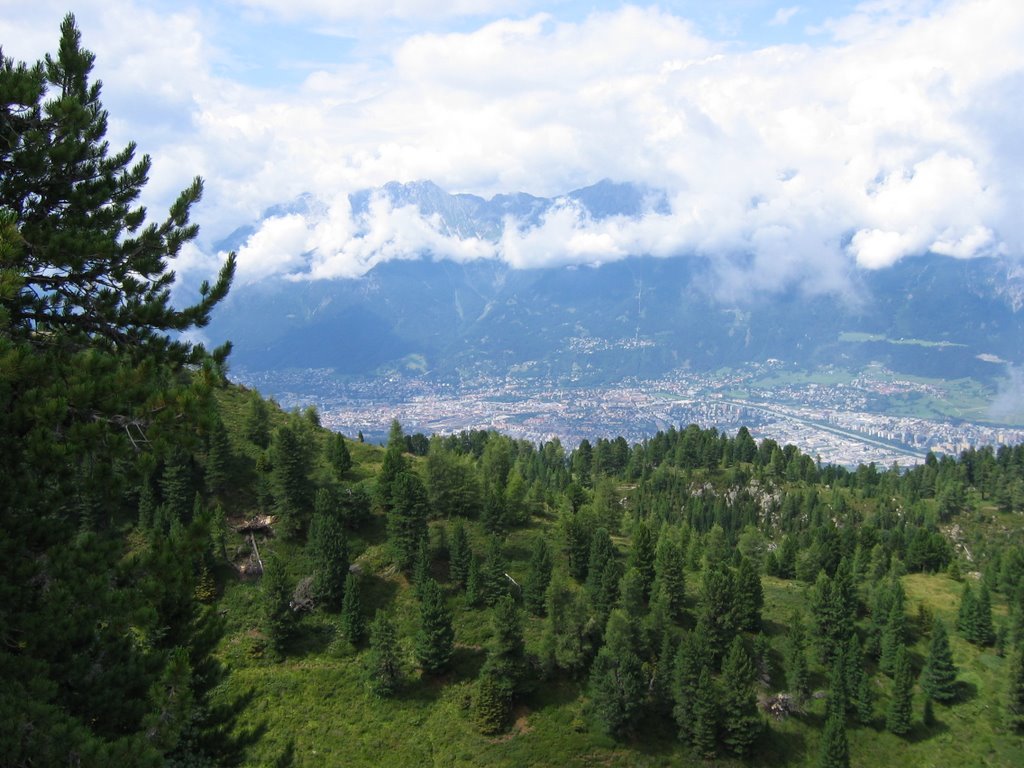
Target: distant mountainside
x: 641, y: 316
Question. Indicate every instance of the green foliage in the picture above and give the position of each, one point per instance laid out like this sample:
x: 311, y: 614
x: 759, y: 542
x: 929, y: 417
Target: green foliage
x: 435, y: 639
x: 353, y: 625
x: 938, y: 678
x: 535, y: 585
x: 741, y: 724
x: 293, y: 491
x: 278, y: 618
x: 834, y: 751
x: 407, y: 518
x: 797, y: 673
x: 705, y: 716
x: 670, y: 573
x: 337, y: 454
x: 384, y: 665
x: 897, y: 717
x: 459, y: 555
x: 328, y: 548
x: 1015, y: 691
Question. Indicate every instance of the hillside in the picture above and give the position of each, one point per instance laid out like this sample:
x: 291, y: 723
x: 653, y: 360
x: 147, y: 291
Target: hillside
x: 801, y: 527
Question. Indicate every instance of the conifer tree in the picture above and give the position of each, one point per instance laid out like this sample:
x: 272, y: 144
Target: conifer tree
x: 328, y: 547
x: 407, y: 518
x: 965, y: 614
x: 938, y: 678
x: 289, y: 475
x: 492, y: 584
x: 577, y: 544
x: 834, y: 751
x: 642, y: 556
x: 858, y: 683
x: 893, y: 638
x: 797, y: 673
x: 685, y: 676
x: 741, y: 723
x: 353, y: 625
x: 278, y: 617
x: 717, y: 600
x: 218, y: 454
x: 474, y: 585
x: 503, y: 669
x: 564, y: 641
x: 616, y: 682
x: 1015, y: 691
x: 257, y: 422
x: 705, y: 716
x: 458, y: 555
x: 535, y: 585
x: 384, y: 662
x: 436, y: 638
x: 394, y: 466
x: 338, y: 455
x: 980, y: 623
x: 670, y: 573
x: 748, y: 597
x: 897, y: 717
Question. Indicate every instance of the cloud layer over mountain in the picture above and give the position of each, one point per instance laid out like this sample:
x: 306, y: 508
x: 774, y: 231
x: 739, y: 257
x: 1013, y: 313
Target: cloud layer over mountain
x: 893, y: 130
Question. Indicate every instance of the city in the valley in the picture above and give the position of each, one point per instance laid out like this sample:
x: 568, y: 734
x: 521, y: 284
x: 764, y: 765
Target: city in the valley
x: 873, y: 415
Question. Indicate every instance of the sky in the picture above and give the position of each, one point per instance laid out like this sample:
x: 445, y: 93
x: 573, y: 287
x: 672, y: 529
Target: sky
x: 795, y: 141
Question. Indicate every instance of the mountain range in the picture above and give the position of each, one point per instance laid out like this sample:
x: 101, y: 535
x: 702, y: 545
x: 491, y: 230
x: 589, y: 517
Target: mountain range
x: 638, y: 316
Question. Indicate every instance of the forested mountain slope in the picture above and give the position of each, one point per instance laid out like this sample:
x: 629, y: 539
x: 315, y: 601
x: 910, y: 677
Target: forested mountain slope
x: 191, y: 576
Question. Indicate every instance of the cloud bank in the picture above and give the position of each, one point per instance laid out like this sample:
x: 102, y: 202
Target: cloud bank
x: 888, y: 132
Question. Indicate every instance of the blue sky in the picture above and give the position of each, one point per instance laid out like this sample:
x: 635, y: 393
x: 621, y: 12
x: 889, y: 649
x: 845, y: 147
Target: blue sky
x: 796, y: 140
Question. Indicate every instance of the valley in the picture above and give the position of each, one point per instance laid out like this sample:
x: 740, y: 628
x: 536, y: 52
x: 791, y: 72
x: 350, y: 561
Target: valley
x: 845, y: 418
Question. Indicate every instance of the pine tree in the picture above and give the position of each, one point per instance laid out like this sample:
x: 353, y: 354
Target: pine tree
x: 716, y: 608
x: 938, y: 678
x: 858, y: 683
x: 407, y: 518
x: 685, y: 675
x: 436, y: 638
x: 642, y: 556
x: 535, y: 585
x: 393, y: 467
x: 257, y: 422
x: 616, y: 681
x: 981, y: 630
x: 965, y: 615
x: 338, y: 455
x: 1015, y: 691
x: 99, y: 382
x: 278, y: 617
x: 492, y: 584
x: 458, y: 555
x: 670, y: 574
x: 474, y: 593
x: 797, y: 673
x: 748, y: 598
x: 289, y: 476
x: 705, y: 716
x: 897, y: 717
x: 218, y: 454
x: 834, y: 751
x: 741, y: 725
x: 328, y: 548
x: 353, y: 625
x: 502, y: 670
x: 384, y: 662
x: 565, y: 643
x: 893, y: 638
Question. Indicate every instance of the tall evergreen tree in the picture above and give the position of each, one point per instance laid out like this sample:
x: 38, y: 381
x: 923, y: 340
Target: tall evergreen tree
x: 834, y: 751
x: 435, y: 639
x: 893, y: 638
x: 257, y: 421
x: 384, y: 662
x: 797, y: 672
x: 685, y: 676
x: 98, y: 383
x: 290, y: 467
x: 218, y: 454
x: 407, y: 518
x: 353, y: 625
x: 748, y: 597
x: 897, y: 717
x: 278, y: 617
x: 705, y: 716
x: 328, y: 548
x: 492, y: 583
x: 338, y: 455
x: 535, y: 585
x: 642, y: 556
x: 617, y: 686
x: 741, y: 724
x: 670, y: 573
x: 1015, y: 691
x: 458, y: 555
x: 938, y: 678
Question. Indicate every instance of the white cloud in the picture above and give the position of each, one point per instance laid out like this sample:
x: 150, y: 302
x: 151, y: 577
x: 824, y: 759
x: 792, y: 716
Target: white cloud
x: 890, y: 133
x: 783, y: 15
